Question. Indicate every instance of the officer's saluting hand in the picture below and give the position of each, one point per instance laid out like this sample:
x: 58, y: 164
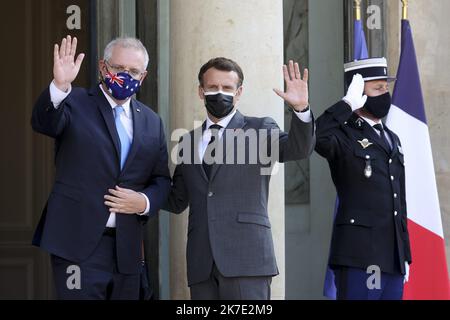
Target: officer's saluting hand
x: 355, y: 96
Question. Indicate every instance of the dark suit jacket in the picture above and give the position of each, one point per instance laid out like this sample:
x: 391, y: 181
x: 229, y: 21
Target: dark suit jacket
x: 371, y: 222
x: 87, y: 164
x: 228, y: 218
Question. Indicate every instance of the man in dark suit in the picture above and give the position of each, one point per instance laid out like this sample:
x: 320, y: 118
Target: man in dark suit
x: 224, y: 176
x: 370, y: 251
x: 111, y: 173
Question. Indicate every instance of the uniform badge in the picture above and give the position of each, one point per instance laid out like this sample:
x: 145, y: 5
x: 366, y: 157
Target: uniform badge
x: 365, y: 143
x: 359, y: 122
x: 368, y: 170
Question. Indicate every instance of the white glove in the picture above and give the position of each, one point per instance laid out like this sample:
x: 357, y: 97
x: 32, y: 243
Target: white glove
x: 406, y: 277
x: 355, y: 97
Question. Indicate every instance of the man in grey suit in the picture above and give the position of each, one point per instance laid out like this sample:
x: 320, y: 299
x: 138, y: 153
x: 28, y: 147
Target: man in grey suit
x: 224, y: 175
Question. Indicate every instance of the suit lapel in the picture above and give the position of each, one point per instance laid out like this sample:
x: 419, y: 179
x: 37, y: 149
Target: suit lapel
x: 237, y: 122
x: 108, y: 117
x: 196, y: 137
x: 138, y: 126
x: 395, y: 145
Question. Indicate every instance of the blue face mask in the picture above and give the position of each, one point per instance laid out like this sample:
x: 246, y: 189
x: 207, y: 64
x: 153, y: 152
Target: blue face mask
x: 121, y: 85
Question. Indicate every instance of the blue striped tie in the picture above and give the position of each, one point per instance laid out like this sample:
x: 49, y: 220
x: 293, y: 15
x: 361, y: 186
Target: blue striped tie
x: 125, y: 142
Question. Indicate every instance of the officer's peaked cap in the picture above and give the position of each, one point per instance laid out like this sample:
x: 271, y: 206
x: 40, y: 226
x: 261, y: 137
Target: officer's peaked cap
x: 370, y: 69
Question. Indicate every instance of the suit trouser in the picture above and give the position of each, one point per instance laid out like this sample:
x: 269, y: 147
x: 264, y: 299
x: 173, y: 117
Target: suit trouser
x: 218, y: 287
x: 99, y: 278
x: 351, y: 284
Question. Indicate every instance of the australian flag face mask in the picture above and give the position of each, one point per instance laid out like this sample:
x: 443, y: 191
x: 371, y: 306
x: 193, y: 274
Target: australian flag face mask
x: 121, y: 85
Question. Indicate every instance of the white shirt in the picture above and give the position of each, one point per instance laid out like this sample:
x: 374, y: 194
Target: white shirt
x: 57, y: 96
x: 206, y: 137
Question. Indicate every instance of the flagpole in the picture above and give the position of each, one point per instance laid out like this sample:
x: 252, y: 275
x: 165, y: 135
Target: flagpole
x: 357, y: 4
x: 405, y: 9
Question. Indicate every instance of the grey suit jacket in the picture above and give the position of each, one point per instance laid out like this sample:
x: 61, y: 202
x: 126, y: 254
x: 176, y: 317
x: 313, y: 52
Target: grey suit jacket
x: 228, y: 218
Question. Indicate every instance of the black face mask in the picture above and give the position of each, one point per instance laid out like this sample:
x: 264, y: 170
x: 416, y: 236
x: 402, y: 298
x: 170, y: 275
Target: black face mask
x: 219, y: 104
x: 379, y: 106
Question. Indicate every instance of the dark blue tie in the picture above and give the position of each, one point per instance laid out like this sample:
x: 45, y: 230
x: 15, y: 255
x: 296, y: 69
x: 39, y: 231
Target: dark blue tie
x: 384, y: 140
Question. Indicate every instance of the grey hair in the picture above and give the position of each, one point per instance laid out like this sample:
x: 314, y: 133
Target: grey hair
x: 126, y: 42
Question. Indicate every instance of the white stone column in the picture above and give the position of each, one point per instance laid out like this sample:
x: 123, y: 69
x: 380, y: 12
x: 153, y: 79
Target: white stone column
x: 251, y: 33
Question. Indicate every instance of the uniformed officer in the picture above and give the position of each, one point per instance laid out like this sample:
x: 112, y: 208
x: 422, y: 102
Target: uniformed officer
x: 370, y: 251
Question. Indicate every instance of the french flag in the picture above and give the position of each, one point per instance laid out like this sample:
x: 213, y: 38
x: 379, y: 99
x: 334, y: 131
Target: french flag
x: 428, y: 278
